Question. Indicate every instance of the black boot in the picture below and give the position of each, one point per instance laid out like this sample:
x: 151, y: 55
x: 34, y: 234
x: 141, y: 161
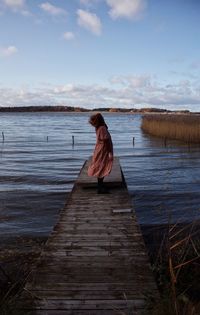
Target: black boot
x: 101, y: 188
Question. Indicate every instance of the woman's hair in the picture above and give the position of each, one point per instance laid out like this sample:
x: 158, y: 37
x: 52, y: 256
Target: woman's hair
x: 97, y: 120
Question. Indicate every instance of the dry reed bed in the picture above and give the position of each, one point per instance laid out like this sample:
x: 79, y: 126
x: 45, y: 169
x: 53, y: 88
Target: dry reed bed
x: 173, y: 126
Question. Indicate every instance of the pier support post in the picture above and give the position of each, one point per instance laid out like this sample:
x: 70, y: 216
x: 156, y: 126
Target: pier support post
x: 3, y: 137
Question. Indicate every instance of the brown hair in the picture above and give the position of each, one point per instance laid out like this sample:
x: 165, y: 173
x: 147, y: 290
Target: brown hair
x: 97, y: 120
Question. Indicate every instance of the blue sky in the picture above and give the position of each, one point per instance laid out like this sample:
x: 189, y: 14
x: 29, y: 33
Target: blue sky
x: 100, y: 53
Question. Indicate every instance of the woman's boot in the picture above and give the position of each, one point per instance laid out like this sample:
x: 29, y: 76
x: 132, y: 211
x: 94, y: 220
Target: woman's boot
x: 101, y: 188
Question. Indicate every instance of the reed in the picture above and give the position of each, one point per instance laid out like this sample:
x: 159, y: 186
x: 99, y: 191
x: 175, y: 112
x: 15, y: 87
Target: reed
x: 173, y: 126
x: 16, y: 265
x: 177, y: 271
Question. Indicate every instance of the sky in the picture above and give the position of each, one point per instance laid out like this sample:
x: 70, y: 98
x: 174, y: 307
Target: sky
x: 100, y: 53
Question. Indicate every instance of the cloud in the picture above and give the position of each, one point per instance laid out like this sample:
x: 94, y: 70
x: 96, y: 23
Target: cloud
x: 195, y: 65
x: 131, y: 9
x: 183, y: 94
x: 191, y: 74
x: 68, y: 36
x: 133, y: 81
x: 18, y: 6
x: 8, y: 51
x: 14, y: 4
x: 51, y: 9
x: 89, y: 3
x: 89, y: 21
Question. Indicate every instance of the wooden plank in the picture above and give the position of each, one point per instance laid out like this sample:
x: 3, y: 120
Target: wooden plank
x: 86, y: 295
x: 100, y: 220
x: 124, y: 210
x: 99, y: 259
x: 49, y: 268
x: 88, y: 304
x: 84, y: 288
x: 96, y: 232
x: 97, y: 264
x: 61, y: 243
x: 82, y: 312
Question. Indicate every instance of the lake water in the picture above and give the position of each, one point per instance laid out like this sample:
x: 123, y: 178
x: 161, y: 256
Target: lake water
x: 38, y: 166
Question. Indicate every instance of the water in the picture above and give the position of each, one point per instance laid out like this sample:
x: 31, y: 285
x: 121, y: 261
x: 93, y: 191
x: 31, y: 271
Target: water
x: 38, y: 166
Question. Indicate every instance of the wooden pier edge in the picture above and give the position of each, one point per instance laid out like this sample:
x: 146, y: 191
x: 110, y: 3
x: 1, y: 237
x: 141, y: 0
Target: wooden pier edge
x: 94, y: 261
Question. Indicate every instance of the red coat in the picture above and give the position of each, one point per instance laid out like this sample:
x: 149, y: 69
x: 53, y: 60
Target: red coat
x: 102, y: 159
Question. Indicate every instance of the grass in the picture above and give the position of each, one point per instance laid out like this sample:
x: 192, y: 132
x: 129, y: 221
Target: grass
x: 15, y: 266
x: 173, y: 126
x: 177, y: 270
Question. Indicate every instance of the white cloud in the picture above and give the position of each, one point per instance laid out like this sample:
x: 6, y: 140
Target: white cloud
x: 17, y: 6
x: 63, y: 88
x: 183, y: 94
x: 131, y: 9
x: 52, y: 9
x: 89, y: 21
x: 89, y: 2
x: 86, y: 2
x: 14, y: 4
x: 68, y: 36
x: 133, y: 81
x: 8, y: 51
x: 195, y: 65
x: 26, y: 13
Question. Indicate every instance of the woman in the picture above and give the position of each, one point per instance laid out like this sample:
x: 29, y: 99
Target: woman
x: 102, y: 159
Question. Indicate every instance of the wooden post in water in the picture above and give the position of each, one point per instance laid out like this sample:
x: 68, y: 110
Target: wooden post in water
x: 133, y: 141
x: 72, y: 140
x: 3, y: 136
x: 47, y: 138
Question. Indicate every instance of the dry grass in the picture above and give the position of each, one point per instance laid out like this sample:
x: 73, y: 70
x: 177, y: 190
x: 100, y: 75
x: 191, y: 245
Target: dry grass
x: 178, y: 271
x: 15, y: 266
x: 173, y: 126
x: 13, y: 283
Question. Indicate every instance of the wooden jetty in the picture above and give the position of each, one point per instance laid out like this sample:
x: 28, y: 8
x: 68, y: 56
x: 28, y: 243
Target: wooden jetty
x: 95, y: 261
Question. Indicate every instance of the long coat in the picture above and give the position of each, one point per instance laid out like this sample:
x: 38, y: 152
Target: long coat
x: 102, y: 159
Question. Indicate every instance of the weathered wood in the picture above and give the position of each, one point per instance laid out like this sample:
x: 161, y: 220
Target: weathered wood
x: 114, y: 178
x: 63, y: 304
x: 94, y: 261
x: 82, y: 312
x: 86, y: 295
x: 86, y: 287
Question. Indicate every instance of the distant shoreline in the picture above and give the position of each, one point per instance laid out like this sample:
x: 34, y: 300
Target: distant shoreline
x: 70, y: 109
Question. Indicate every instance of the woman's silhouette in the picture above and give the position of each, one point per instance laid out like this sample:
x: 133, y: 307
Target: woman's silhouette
x: 102, y: 159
